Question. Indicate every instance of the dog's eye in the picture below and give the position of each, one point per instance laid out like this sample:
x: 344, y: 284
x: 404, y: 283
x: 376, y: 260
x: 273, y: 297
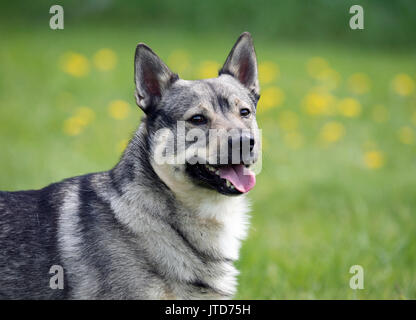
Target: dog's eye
x: 245, y: 112
x: 198, y: 119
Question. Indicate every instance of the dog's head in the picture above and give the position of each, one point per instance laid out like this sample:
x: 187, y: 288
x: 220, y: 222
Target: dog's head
x: 202, y: 133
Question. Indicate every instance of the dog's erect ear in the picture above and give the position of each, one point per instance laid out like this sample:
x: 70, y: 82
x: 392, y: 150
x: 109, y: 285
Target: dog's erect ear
x: 152, y: 77
x: 241, y: 63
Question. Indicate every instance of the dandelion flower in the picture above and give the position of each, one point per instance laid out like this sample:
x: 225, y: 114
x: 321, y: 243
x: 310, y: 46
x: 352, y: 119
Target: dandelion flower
x: 271, y: 97
x: 349, y: 107
x: 179, y: 61
x: 332, y: 132
x: 73, y: 126
x: 105, y: 59
x: 268, y: 72
x: 403, y: 84
x: 119, y: 109
x: 373, y: 159
x: 318, y: 103
x: 208, y: 69
x: 85, y: 115
x: 75, y: 64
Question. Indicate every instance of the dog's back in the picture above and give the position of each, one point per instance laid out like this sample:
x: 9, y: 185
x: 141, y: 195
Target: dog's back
x: 28, y: 241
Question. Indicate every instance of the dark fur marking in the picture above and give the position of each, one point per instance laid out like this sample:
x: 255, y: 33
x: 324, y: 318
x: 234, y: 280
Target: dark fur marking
x: 115, y: 183
x: 223, y: 71
x: 205, y: 288
x: 29, y: 243
x: 218, y: 101
x: 96, y: 213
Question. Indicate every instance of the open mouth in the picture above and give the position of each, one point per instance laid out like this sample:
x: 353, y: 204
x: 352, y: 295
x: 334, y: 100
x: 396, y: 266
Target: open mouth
x: 233, y: 179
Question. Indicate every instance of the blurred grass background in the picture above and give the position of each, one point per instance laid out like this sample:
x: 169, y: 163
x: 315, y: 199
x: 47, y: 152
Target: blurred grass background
x: 338, y: 114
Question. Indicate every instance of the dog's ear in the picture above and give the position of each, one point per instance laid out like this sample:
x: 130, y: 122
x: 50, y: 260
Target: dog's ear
x: 152, y: 77
x: 241, y: 63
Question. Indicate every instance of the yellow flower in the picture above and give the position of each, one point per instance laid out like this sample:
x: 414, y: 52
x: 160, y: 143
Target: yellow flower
x: 332, y: 131
x: 122, y: 145
x: 403, y: 84
x: 208, y: 69
x: 406, y: 135
x: 105, y: 59
x: 75, y: 64
x: 178, y: 61
x: 380, y: 114
x: 118, y: 109
x: 268, y: 72
x: 316, y: 65
x: 73, y: 126
x: 271, y: 97
x: 85, y: 115
x: 76, y: 124
x: 318, y: 103
x: 349, y: 107
x: 288, y: 120
x: 293, y: 139
x: 373, y: 159
x: 359, y: 83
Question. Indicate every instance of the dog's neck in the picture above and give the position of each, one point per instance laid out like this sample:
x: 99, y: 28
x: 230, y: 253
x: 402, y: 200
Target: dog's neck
x: 189, y: 208
x: 197, y: 228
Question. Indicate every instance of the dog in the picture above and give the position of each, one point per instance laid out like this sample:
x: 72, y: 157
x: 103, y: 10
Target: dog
x: 147, y: 229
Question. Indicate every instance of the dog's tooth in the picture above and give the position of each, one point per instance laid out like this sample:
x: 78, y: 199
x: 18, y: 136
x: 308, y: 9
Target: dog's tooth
x: 228, y: 183
x: 217, y: 172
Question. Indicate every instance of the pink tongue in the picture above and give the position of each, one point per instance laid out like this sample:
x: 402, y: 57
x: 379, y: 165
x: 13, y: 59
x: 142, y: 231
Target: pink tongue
x: 241, y: 177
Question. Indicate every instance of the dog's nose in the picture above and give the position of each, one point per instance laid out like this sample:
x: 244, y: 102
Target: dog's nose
x: 252, y: 142
x: 243, y: 140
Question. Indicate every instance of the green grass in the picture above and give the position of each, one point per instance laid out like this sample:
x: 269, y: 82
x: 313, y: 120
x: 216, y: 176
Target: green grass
x: 317, y: 209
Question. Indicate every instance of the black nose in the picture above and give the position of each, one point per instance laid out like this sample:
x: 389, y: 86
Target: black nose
x: 252, y: 142
x: 245, y: 140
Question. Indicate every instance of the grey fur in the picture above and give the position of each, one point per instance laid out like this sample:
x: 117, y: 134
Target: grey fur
x: 139, y: 230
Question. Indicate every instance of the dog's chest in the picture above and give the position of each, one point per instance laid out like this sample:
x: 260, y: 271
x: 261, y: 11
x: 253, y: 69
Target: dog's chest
x: 193, y: 249
x: 216, y: 230
x: 218, y: 226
